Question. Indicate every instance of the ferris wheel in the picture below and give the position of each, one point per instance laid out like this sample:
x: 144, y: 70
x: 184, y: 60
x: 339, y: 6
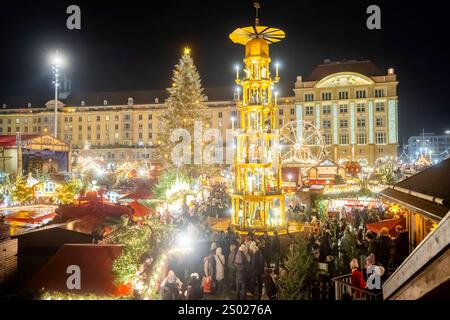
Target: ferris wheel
x: 301, y: 144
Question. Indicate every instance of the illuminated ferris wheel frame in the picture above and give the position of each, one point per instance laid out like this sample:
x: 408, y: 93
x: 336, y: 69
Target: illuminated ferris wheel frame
x: 301, y: 144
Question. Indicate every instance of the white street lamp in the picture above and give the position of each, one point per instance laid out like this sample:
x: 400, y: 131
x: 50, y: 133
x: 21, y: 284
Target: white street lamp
x: 57, y: 62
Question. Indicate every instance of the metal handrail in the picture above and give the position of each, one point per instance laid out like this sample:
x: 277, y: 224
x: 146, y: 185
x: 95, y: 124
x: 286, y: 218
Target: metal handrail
x: 343, y: 285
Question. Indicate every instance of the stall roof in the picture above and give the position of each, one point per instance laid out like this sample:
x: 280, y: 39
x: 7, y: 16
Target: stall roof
x: 95, y: 262
x: 433, y: 183
x: 11, y: 140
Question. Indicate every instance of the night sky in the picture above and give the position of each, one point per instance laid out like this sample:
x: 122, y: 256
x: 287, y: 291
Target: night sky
x: 133, y: 45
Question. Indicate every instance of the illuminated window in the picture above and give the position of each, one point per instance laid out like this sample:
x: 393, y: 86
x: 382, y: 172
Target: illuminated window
x: 326, y: 95
x: 343, y: 138
x: 379, y: 106
x: 379, y: 93
x: 380, y: 122
x: 361, y: 138
x: 343, y: 108
x: 361, y: 107
x: 360, y: 94
x: 343, y: 95
x: 381, y: 137
x: 49, y: 187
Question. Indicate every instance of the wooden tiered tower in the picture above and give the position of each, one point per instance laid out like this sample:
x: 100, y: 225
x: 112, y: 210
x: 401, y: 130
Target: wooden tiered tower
x: 257, y: 198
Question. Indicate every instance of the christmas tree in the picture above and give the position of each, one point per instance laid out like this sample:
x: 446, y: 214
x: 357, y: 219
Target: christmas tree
x: 20, y: 192
x: 185, y: 106
x: 69, y: 191
x: 295, y: 284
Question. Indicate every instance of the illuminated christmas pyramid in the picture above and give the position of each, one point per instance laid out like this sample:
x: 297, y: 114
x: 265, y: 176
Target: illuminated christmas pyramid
x: 257, y: 198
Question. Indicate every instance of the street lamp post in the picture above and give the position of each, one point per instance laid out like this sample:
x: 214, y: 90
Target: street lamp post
x: 56, y: 64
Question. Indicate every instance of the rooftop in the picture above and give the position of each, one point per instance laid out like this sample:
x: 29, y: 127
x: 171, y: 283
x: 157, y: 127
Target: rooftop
x: 365, y: 67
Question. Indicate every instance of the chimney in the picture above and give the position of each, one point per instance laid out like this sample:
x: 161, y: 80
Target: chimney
x: 156, y: 100
x: 391, y: 71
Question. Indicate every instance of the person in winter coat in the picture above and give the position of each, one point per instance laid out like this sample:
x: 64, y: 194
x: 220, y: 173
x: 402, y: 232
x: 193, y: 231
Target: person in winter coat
x: 194, y: 290
x: 231, y: 268
x: 170, y: 287
x: 220, y: 270
x: 209, y: 267
x: 276, y: 249
x: 384, y: 243
x: 241, y: 263
x: 401, y: 245
x: 256, y: 271
x: 374, y: 274
x: 270, y: 287
x: 267, y: 248
x: 357, y: 278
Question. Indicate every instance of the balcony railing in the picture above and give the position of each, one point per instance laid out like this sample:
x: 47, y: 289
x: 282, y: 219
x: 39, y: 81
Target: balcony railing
x: 343, y: 286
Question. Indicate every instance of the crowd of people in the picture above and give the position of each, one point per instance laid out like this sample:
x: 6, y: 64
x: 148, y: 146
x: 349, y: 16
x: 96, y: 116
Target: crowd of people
x: 225, y: 266
x: 344, y: 243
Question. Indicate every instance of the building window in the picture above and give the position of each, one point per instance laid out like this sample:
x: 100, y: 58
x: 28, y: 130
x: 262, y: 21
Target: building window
x: 292, y: 111
x: 380, y: 122
x: 361, y: 138
x: 220, y: 115
x: 98, y: 118
x: 326, y: 124
x: 343, y: 108
x: 343, y: 138
x: 89, y: 128
x: 309, y: 110
x: 150, y: 135
x: 116, y: 127
x: 343, y: 95
x: 150, y: 117
x: 327, y: 139
x: 49, y: 187
x: 127, y: 126
x: 361, y: 123
x: 343, y: 123
x: 381, y: 137
x: 280, y: 112
x: 360, y: 94
x: 280, y: 122
x: 140, y: 117
x: 361, y: 107
x: 379, y: 106
x: 80, y: 119
x: 379, y: 93
x: 326, y: 109
x: 127, y: 117
x: 149, y: 126
x: 326, y: 95
x: 116, y: 118
x: 107, y: 117
x: 309, y: 97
